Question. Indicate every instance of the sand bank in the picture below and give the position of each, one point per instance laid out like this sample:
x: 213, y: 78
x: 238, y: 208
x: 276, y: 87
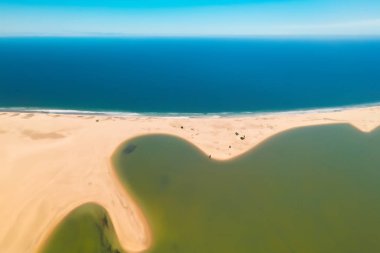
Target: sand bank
x: 52, y: 163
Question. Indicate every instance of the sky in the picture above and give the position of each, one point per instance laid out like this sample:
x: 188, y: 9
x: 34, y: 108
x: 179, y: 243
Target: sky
x: 360, y: 18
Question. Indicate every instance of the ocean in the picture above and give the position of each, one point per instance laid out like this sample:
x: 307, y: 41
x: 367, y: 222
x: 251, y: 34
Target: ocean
x: 187, y: 75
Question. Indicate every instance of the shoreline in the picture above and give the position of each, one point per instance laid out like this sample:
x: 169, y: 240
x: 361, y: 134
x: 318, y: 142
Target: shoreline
x: 68, y: 157
x: 184, y: 114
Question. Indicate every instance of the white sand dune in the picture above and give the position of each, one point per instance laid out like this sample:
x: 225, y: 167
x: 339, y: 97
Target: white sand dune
x: 50, y: 163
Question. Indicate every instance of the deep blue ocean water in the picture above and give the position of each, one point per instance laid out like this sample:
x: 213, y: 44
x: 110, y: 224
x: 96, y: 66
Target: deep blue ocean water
x: 187, y: 75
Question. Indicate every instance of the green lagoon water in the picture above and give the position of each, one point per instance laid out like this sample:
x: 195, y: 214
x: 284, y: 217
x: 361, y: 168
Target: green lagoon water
x: 314, y: 190
x: 87, y: 229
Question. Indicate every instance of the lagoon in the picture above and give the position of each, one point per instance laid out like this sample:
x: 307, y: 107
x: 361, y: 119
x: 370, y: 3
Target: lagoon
x: 87, y: 229
x: 312, y: 189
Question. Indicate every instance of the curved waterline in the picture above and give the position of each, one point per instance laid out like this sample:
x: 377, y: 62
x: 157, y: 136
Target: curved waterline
x: 86, y: 229
x: 311, y: 189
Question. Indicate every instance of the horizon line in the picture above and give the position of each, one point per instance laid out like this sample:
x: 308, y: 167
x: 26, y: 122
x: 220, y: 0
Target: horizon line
x: 185, y: 36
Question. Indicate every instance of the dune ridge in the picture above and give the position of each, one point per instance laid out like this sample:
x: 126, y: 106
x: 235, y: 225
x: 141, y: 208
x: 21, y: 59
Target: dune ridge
x: 52, y: 163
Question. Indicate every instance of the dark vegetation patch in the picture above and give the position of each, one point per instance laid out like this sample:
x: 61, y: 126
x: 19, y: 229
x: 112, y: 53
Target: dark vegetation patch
x: 129, y: 149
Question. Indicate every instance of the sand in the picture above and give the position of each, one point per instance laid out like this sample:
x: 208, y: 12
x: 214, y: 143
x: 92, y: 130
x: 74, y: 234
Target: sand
x: 50, y: 163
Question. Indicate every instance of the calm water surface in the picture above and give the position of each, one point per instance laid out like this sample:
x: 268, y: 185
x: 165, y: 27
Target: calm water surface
x: 310, y: 190
x: 313, y: 189
x: 87, y: 229
x: 165, y: 75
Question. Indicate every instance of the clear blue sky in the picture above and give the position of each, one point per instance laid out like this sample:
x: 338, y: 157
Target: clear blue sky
x: 190, y: 17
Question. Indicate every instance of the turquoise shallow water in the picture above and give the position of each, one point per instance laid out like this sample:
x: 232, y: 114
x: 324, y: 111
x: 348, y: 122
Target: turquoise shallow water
x: 313, y: 189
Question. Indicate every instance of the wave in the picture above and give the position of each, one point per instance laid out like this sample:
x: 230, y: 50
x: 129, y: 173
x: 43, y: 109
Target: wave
x: 181, y: 114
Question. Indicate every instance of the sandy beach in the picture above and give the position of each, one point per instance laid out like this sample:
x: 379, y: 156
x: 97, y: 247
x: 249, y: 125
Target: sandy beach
x: 52, y: 163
